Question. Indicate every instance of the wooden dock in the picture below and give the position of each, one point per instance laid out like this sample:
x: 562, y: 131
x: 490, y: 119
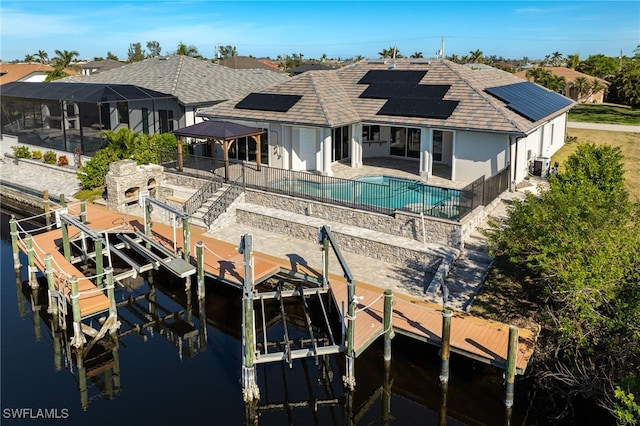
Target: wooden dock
x: 476, y: 338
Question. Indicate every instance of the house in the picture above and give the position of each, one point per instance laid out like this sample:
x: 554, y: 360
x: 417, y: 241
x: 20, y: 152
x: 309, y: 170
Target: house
x: 470, y: 122
x: 95, y: 67
x: 248, y: 63
x: 32, y: 72
x: 310, y: 66
x: 152, y: 96
x: 196, y: 83
x: 587, y: 95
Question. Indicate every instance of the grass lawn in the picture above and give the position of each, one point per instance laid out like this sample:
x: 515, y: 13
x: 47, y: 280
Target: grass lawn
x: 629, y: 144
x: 598, y: 113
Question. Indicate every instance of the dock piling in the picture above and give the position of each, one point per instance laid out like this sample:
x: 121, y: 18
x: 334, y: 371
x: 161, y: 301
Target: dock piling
x: 110, y: 290
x: 200, y: 262
x: 78, y: 339
x: 250, y: 388
x: 386, y: 323
x: 186, y: 237
x: 349, y: 378
x: 13, y: 226
x: 447, y: 313
x: 31, y: 269
x: 510, y: 371
x: 83, y: 211
x: 51, y: 284
x: 47, y: 208
x: 98, y: 244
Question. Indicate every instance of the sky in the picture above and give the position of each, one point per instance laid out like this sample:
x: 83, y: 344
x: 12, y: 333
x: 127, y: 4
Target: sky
x: 339, y: 29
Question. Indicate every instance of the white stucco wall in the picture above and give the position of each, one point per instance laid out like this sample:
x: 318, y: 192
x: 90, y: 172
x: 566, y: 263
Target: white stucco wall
x: 305, y: 154
x: 477, y: 154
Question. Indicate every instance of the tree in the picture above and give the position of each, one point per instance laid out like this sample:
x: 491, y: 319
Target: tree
x: 416, y: 55
x: 55, y: 74
x: 29, y: 58
x: 112, y: 56
x: 135, y: 53
x: 556, y: 59
x: 578, y: 245
x: 600, y: 66
x: 573, y: 61
x: 226, y: 52
x: 391, y: 52
x: 123, y: 144
x: 185, y: 50
x: 154, y: 48
x: 43, y: 56
x: 476, y: 56
x: 64, y: 58
x: 546, y: 79
x: 626, y: 82
x: 582, y: 87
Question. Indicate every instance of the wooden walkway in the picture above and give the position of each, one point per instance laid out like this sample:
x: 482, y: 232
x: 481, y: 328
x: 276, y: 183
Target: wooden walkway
x: 473, y: 337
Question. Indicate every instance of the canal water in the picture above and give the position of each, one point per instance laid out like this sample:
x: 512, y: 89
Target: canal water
x: 152, y: 376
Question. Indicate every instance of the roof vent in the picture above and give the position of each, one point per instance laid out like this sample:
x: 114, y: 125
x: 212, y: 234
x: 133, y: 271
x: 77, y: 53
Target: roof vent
x: 377, y: 61
x: 392, y: 66
x: 163, y: 58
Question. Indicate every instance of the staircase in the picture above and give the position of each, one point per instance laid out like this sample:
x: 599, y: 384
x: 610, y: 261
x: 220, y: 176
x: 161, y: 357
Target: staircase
x: 197, y: 219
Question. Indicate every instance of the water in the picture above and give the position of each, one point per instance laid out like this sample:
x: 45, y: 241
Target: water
x: 193, y: 382
x: 380, y: 191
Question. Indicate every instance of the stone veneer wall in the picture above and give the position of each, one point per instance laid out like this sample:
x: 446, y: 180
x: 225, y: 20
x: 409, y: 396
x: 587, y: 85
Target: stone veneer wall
x: 415, y: 258
x: 126, y: 175
x: 404, y: 224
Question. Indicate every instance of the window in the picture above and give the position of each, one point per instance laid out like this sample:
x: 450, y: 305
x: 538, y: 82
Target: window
x: 340, y: 141
x: 405, y: 142
x: 123, y: 113
x: 371, y: 133
x: 413, y: 143
x: 437, y: 145
x: 166, y: 120
x: 145, y: 121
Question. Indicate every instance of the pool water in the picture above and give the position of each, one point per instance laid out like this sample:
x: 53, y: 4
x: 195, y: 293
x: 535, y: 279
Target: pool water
x: 381, y: 191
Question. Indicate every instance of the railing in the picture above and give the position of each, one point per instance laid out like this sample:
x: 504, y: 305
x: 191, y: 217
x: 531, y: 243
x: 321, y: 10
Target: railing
x: 202, y: 195
x: 496, y: 185
x: 224, y: 201
x: 393, y: 195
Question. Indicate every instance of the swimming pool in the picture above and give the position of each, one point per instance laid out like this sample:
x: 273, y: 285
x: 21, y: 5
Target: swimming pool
x: 381, y: 191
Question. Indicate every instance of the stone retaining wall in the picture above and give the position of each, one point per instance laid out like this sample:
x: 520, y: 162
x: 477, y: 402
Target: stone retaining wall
x: 413, y: 258
x: 404, y: 224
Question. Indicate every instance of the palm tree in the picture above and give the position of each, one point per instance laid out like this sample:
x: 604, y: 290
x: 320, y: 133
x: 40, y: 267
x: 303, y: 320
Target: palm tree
x: 64, y: 58
x: 227, y: 52
x: 573, y: 61
x: 475, y: 56
x: 582, y: 87
x: 454, y: 58
x: 556, y: 59
x: 391, y: 52
x: 597, y: 86
x: 29, y: 58
x: 43, y: 57
x: 417, y: 55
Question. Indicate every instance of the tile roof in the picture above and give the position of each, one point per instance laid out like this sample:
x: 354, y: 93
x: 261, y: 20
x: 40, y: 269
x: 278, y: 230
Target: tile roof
x: 247, y: 63
x: 193, y: 81
x: 331, y: 98
x: 103, y: 65
x: 18, y: 72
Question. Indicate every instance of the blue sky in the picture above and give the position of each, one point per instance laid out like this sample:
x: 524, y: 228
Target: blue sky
x: 339, y: 29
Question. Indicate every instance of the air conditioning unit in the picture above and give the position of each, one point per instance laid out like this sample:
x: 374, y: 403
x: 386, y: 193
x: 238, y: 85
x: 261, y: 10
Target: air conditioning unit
x: 541, y: 166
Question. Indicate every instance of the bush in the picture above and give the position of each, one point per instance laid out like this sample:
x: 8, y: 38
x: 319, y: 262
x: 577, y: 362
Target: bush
x: 63, y: 161
x: 36, y: 154
x: 50, y: 157
x: 21, y: 151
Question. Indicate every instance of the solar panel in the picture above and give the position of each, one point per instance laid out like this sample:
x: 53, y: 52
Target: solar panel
x: 392, y: 76
x: 268, y: 102
x: 423, y: 108
x: 403, y: 90
x: 529, y: 100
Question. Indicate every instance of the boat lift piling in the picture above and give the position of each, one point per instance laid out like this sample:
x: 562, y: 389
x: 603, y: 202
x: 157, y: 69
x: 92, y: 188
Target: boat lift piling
x: 250, y: 388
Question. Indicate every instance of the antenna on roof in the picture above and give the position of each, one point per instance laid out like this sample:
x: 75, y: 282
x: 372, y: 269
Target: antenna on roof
x: 440, y: 52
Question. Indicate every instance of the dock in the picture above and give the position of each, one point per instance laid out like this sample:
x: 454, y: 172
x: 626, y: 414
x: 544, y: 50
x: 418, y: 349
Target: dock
x: 225, y: 263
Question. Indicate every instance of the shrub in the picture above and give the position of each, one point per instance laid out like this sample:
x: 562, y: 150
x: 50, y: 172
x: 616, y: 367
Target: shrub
x: 63, y: 161
x: 50, y: 157
x: 21, y: 151
x: 36, y: 154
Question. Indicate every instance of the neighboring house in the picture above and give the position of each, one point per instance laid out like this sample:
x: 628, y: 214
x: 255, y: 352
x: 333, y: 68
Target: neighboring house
x: 156, y: 95
x: 196, y: 83
x: 572, y: 91
x: 248, y: 63
x: 474, y: 122
x: 67, y: 116
x: 32, y: 72
x: 95, y: 67
x: 311, y: 66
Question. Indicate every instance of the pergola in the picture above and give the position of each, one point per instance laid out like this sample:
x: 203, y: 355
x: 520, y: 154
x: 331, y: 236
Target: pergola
x: 223, y: 132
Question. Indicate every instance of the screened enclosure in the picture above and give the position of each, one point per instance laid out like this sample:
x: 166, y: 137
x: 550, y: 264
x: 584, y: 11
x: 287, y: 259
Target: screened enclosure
x: 72, y: 116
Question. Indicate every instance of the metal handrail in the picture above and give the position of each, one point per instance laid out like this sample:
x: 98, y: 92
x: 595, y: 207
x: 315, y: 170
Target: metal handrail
x: 224, y: 201
x: 202, y: 195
